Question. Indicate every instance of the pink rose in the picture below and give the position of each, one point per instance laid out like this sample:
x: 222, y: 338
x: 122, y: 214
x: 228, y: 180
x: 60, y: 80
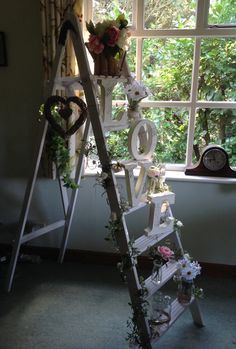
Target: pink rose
x: 165, y: 252
x: 95, y: 45
x: 112, y: 34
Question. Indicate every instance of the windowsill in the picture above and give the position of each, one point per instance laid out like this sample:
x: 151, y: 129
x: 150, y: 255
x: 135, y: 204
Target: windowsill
x: 180, y: 176
x: 177, y: 176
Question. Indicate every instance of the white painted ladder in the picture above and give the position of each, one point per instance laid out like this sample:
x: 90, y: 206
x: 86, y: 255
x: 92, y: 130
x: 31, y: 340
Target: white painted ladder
x: 154, y: 232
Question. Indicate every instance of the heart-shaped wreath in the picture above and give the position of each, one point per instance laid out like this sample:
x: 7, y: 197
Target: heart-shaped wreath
x: 64, y: 111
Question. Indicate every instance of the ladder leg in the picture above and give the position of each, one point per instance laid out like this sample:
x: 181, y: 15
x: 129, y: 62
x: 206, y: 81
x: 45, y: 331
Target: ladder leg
x: 64, y: 194
x: 72, y: 202
x: 196, y: 314
x: 25, y: 212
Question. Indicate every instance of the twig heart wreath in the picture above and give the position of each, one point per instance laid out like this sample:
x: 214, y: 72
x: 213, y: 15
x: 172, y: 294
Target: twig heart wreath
x: 65, y: 111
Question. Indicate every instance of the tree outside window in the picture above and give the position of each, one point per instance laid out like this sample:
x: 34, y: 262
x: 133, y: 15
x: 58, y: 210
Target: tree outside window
x: 185, y: 52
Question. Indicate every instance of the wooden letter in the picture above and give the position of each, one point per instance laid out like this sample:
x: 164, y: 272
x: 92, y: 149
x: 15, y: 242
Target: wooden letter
x: 135, y: 190
x: 142, y: 139
x: 106, y: 87
x: 155, y: 225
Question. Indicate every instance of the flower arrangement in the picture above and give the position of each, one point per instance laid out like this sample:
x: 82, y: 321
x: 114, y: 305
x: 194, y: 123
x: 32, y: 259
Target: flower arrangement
x: 161, y: 254
x: 136, y: 91
x: 156, y: 179
x: 188, y: 269
x: 110, y: 37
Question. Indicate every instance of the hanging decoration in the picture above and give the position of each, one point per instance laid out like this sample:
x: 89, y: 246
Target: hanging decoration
x: 65, y: 112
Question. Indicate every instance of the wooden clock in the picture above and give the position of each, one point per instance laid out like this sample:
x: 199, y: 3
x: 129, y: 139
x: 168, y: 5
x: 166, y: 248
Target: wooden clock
x: 214, y: 161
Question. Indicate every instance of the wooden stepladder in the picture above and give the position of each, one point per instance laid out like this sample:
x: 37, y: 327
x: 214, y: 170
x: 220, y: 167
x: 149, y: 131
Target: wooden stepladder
x: 142, y: 132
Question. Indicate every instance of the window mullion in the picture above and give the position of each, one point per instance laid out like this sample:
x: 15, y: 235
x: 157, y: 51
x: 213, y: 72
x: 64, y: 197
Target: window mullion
x: 202, y: 14
x: 193, y: 100
x: 139, y: 15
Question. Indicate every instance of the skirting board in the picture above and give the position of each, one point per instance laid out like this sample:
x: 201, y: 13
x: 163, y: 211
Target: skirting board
x: 109, y: 258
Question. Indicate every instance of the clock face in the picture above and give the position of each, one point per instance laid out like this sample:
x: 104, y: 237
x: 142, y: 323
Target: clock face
x: 214, y: 159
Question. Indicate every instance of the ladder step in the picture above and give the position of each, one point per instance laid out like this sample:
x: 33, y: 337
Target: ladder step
x: 135, y: 208
x: 42, y: 231
x: 168, y: 270
x: 177, y: 309
x: 144, y: 242
x: 68, y: 81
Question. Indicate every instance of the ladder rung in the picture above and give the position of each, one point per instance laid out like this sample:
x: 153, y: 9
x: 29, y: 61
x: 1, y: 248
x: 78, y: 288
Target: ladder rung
x: 145, y: 241
x: 177, y: 310
x: 66, y: 81
x: 168, y: 270
x: 135, y: 208
x: 42, y: 231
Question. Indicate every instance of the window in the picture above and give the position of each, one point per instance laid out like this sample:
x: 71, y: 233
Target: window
x: 185, y: 52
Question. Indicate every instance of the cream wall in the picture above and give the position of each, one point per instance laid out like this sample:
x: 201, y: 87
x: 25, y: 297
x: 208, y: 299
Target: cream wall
x: 20, y: 86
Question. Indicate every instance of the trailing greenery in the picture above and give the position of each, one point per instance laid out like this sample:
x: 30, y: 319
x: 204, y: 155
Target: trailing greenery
x: 138, y: 312
x: 129, y: 260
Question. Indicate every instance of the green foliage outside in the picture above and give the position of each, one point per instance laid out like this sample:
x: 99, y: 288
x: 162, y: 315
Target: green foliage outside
x: 167, y: 71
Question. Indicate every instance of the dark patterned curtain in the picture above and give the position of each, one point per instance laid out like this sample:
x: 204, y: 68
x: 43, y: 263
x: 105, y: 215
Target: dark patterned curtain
x: 52, y: 15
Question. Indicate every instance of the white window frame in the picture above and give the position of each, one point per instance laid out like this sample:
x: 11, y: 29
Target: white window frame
x: 202, y: 30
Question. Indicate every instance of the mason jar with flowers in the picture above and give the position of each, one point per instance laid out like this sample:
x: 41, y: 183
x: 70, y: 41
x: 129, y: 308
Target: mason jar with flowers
x: 135, y: 91
x: 186, y: 273
x: 108, y: 42
x: 160, y: 256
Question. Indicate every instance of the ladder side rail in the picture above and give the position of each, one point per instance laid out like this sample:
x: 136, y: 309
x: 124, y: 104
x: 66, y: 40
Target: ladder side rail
x: 64, y: 193
x: 111, y: 189
x: 196, y: 313
x: 93, y: 110
x: 72, y: 202
x: 63, y: 190
x: 31, y: 183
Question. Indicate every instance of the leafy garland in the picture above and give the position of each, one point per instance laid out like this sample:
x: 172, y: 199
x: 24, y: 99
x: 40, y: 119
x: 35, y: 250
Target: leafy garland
x: 128, y: 260
x: 58, y: 152
x: 138, y: 311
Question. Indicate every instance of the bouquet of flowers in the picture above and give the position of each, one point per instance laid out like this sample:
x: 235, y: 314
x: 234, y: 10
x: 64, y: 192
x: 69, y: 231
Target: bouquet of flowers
x: 110, y: 37
x: 136, y: 91
x: 161, y: 254
x: 188, y: 269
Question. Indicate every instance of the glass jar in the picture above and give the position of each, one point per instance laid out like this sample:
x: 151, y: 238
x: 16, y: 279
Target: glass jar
x: 160, y: 313
x: 185, y: 291
x: 156, y: 272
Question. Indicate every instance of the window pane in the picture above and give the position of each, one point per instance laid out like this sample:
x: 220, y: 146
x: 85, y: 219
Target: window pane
x: 172, y: 125
x: 222, y: 12
x: 164, y: 14
x: 167, y: 68
x: 217, y: 126
x: 217, y: 75
x: 104, y: 9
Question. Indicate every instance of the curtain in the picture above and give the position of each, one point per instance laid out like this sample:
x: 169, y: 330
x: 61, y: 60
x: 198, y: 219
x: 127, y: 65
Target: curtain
x: 52, y: 15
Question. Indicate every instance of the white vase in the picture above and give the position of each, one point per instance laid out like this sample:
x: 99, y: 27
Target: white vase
x: 134, y: 114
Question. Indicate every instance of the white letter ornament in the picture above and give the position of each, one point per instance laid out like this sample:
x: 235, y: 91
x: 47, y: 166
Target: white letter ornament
x: 135, y: 190
x: 159, y: 222
x: 107, y: 85
x: 142, y: 139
